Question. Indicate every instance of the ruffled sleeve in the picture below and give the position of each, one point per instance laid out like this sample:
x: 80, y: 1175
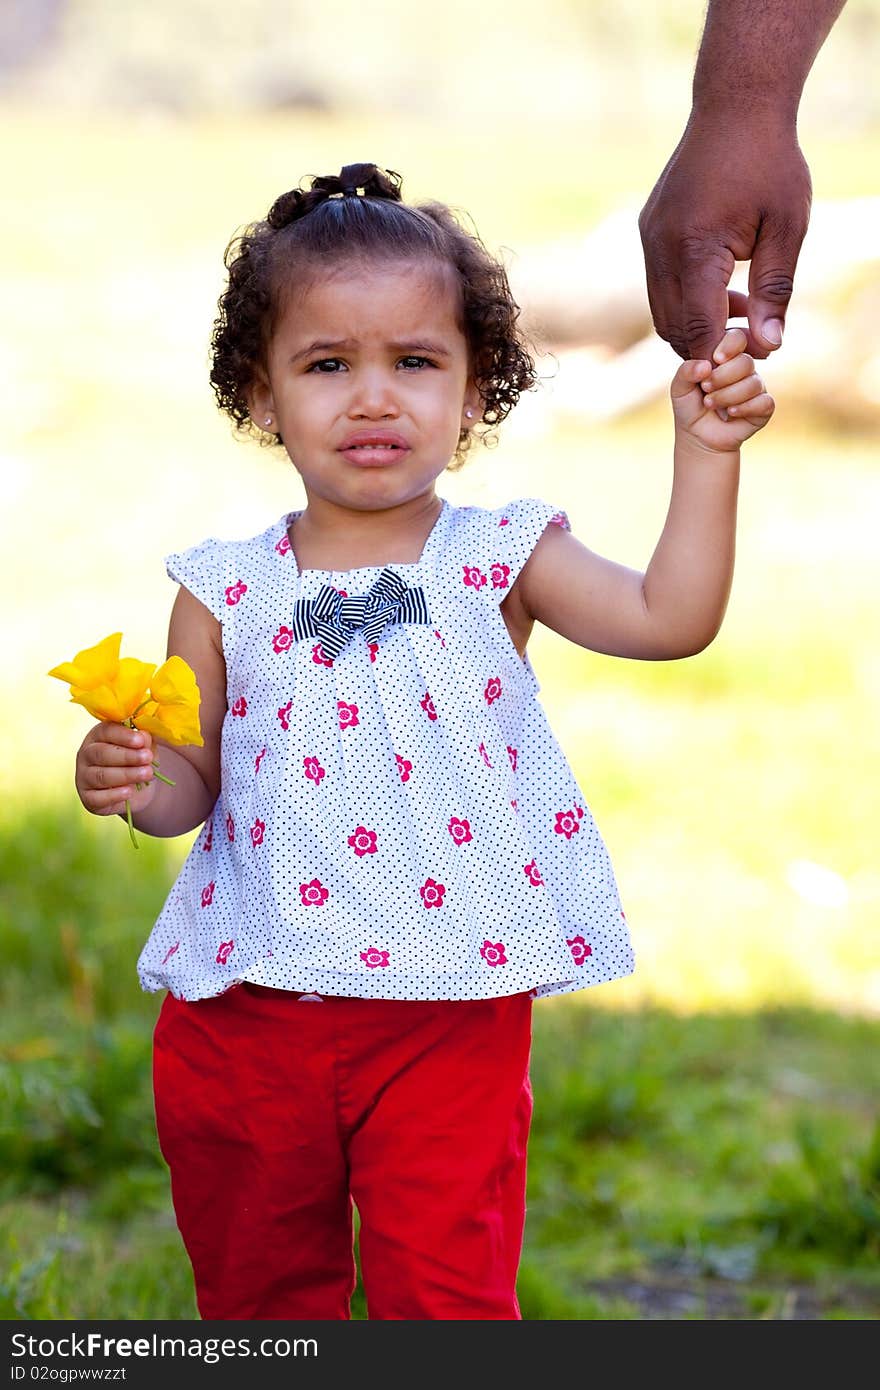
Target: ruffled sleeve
x: 206, y: 570
x: 500, y: 541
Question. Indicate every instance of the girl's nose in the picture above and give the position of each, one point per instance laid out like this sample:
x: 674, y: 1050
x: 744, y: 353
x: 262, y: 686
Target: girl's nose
x: 373, y: 396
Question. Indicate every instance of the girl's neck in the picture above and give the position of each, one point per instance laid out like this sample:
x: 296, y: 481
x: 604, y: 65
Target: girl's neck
x: 323, y: 541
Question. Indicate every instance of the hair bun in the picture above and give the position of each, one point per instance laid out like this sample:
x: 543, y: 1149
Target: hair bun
x: 287, y: 208
x: 348, y: 183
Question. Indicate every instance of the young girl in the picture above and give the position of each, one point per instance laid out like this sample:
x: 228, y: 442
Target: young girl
x: 396, y: 857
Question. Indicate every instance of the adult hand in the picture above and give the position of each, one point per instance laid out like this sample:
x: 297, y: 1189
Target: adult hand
x: 735, y: 189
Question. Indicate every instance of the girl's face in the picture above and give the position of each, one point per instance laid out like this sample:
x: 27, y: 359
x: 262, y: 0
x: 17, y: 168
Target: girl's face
x: 368, y: 383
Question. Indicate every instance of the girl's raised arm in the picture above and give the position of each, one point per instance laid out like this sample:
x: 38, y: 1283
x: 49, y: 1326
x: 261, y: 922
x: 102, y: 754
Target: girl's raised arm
x: 676, y: 607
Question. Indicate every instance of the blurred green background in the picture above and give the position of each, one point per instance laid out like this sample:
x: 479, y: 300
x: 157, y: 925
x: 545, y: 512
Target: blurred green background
x: 704, y: 1131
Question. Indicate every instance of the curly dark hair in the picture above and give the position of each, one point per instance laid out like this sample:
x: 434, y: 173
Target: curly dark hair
x: 359, y: 214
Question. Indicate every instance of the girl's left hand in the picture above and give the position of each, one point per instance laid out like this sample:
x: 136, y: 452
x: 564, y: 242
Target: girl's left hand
x: 729, y: 383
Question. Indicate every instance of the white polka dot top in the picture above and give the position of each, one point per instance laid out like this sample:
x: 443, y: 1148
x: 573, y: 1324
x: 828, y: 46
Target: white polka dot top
x: 396, y: 819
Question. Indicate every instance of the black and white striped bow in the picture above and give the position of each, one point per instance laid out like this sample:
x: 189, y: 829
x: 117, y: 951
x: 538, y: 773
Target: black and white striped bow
x: 335, y: 620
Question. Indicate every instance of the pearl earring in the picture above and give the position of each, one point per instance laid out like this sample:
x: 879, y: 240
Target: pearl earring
x: 469, y: 414
x: 268, y: 419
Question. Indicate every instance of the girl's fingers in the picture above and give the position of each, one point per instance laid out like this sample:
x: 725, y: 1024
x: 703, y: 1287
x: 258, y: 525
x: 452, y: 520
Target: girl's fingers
x: 733, y: 342
x: 117, y: 755
x: 758, y: 408
x: 101, y: 776
x: 737, y: 394
x: 735, y: 369
x: 119, y: 736
x: 105, y: 803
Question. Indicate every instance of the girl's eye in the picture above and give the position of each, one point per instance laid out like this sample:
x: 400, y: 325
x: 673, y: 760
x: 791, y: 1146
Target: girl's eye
x: 332, y: 362
x: 330, y: 366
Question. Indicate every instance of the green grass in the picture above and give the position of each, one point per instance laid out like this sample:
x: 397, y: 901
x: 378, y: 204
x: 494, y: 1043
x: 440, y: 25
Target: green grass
x: 703, y: 1165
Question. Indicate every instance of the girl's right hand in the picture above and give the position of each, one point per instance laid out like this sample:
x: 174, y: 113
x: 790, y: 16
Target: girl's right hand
x: 111, y: 761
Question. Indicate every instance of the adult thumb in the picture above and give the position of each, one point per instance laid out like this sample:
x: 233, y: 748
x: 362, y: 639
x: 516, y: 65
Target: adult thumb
x: 771, y: 280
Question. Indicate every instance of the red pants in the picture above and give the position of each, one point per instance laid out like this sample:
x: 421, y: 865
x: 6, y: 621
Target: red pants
x: 276, y: 1113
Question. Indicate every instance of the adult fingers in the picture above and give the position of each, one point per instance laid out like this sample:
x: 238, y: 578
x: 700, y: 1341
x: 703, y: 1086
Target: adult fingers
x: 771, y: 278
x: 705, y: 274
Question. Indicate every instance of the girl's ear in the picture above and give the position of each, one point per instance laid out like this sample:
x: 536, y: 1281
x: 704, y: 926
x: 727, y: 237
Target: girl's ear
x: 472, y: 406
x: 261, y: 402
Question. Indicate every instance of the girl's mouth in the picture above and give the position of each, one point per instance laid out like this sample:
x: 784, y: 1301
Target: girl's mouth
x: 374, y: 455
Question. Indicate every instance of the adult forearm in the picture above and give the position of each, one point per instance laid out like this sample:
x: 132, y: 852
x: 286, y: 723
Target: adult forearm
x: 687, y: 584
x: 758, y: 53
x: 178, y: 809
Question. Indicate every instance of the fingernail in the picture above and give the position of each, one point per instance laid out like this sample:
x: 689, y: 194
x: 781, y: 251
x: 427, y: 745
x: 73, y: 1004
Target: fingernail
x: 772, y: 331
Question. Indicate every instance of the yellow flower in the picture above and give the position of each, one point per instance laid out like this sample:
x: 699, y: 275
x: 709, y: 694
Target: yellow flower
x: 119, y: 698
x: 164, y: 702
x: 172, y: 712
x: 93, y: 667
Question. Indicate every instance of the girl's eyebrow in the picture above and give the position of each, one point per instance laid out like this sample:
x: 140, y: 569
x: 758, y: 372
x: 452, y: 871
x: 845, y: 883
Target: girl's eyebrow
x: 347, y: 344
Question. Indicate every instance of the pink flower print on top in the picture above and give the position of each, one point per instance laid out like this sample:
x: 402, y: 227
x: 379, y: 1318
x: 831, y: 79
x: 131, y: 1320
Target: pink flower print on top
x: 348, y: 715
x: 579, y: 812
x: 579, y: 949
x: 283, y: 546
x: 440, y: 638
x: 343, y: 593
x: 208, y: 894
x: 363, y: 841
x: 314, y: 770
x: 230, y: 826
x: 532, y: 874
x: 239, y: 707
x: 484, y: 755
x: 313, y: 894
x: 427, y: 705
x: 258, y: 831
x: 560, y: 519
x: 374, y: 650
x: 224, y: 951
x: 261, y: 755
x: 432, y: 893
x: 512, y: 755
x: 500, y: 575
x: 566, y: 823
x: 209, y: 838
x: 318, y: 656
x: 473, y: 577
x: 234, y: 592
x: 172, y: 950
x: 404, y: 767
x: 493, y: 953
x: 493, y: 689
x: 284, y: 715
x: 373, y: 957
x: 460, y: 830
x: 505, y: 521
x: 283, y: 639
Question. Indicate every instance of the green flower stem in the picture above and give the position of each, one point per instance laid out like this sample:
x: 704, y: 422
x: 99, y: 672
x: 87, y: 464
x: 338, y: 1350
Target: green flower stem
x: 167, y: 780
x: 130, y: 826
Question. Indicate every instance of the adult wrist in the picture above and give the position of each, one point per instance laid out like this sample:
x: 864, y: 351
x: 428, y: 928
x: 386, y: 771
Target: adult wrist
x: 737, y: 107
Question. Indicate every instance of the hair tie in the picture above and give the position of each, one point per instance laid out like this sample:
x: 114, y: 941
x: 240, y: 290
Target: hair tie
x: 349, y: 190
